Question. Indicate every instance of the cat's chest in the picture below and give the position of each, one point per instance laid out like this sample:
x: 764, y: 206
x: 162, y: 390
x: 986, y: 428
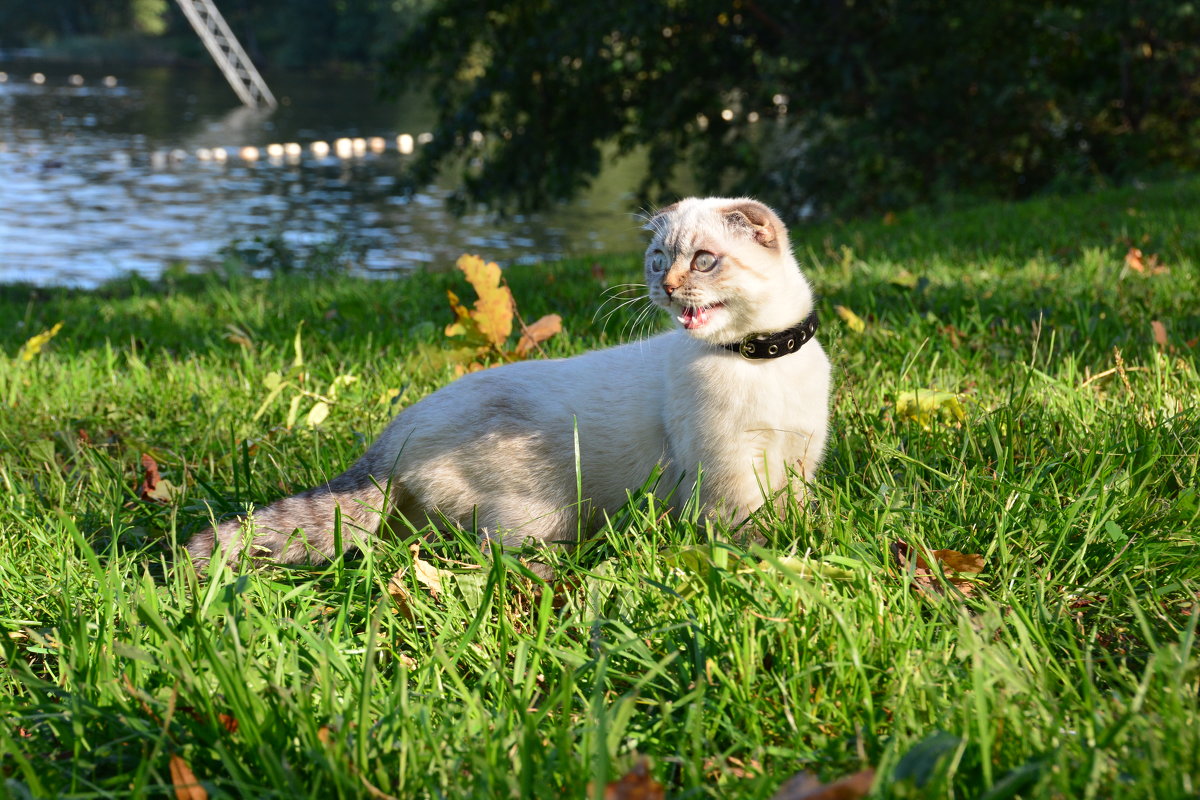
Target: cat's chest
x: 719, y: 390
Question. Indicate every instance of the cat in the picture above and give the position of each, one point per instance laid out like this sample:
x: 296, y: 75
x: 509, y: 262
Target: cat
x: 737, y: 393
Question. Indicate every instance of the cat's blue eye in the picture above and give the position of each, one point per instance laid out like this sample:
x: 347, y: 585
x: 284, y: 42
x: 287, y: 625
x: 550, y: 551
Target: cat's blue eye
x: 704, y: 261
x: 658, y: 262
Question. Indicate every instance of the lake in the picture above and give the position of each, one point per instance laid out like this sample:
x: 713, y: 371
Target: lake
x: 108, y: 171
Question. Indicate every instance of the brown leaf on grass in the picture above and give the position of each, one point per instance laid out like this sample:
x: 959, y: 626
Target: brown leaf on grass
x: 538, y: 332
x: 952, y: 562
x: 806, y: 786
x: 1160, y: 333
x: 1145, y: 264
x: 427, y: 575
x: 598, y: 273
x: 154, y: 487
x: 184, y: 780
x: 635, y: 785
x: 716, y: 767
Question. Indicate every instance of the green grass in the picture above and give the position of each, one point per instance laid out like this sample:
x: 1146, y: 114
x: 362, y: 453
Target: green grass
x: 1071, y: 672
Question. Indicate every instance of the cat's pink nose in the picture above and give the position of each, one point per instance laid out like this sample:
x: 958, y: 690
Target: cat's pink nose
x: 669, y: 288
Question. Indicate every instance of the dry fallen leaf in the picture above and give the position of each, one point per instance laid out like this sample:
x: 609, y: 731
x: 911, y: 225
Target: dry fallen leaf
x: 538, y: 332
x: 184, y: 781
x: 636, y: 785
x: 952, y: 562
x: 806, y: 786
x: 1160, y: 333
x: 852, y: 320
x: 427, y: 576
x: 154, y: 487
x: 1145, y: 264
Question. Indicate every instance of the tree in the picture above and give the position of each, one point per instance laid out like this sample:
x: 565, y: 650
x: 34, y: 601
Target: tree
x: 826, y: 105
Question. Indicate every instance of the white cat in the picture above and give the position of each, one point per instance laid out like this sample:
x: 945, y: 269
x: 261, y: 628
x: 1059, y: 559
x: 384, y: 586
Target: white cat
x: 739, y: 394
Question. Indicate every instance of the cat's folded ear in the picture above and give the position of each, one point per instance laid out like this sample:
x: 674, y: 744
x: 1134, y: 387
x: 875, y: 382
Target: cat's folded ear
x: 757, y: 220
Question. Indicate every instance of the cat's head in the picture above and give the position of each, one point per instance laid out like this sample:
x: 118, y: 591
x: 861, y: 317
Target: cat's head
x: 724, y: 269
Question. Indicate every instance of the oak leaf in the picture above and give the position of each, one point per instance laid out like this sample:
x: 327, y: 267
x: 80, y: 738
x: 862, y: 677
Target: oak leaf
x: 493, y: 312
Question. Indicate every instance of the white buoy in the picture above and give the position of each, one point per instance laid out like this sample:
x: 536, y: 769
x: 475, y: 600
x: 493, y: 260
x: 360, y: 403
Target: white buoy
x: 292, y: 150
x: 110, y: 81
x: 220, y: 155
x: 75, y: 80
x: 3, y: 77
x: 178, y: 156
x: 38, y: 78
x: 204, y: 154
x: 158, y: 159
x: 404, y: 143
x: 425, y: 138
x: 275, y: 151
x: 360, y: 147
x: 249, y: 153
x: 320, y: 149
x: 377, y: 144
x: 344, y: 148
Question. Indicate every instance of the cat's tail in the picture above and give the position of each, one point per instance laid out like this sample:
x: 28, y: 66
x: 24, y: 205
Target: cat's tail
x: 303, y: 528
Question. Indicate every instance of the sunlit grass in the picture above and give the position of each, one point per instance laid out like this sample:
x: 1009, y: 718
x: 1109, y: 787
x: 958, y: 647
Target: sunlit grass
x: 1070, y: 672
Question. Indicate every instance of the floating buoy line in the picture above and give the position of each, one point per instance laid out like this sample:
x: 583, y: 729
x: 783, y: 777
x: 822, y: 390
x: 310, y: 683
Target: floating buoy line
x: 344, y: 148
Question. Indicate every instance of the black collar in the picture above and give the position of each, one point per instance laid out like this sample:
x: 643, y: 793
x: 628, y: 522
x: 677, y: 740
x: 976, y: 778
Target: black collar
x: 774, y: 345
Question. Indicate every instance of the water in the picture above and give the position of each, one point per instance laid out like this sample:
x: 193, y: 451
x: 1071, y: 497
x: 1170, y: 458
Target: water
x: 90, y: 190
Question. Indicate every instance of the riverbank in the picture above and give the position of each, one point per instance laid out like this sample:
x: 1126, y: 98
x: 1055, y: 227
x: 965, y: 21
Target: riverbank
x: 1062, y: 452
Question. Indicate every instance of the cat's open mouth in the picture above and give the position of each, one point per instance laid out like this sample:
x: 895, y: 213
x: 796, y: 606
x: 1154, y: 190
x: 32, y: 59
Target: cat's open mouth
x: 693, y: 318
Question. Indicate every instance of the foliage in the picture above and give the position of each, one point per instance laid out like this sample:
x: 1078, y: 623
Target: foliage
x: 816, y: 107
x: 666, y: 648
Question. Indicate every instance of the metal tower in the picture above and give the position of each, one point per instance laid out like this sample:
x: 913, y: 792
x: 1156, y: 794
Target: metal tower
x: 230, y: 57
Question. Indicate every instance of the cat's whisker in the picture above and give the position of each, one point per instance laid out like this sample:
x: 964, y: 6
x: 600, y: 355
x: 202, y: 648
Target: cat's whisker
x: 607, y: 316
x: 636, y: 325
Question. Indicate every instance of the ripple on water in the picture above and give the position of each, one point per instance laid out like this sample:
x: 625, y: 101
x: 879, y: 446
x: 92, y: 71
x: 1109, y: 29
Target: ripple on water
x: 87, y: 192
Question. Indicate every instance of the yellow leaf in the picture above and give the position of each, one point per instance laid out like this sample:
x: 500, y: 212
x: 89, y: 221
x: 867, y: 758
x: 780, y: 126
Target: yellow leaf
x: 318, y: 414
x: 852, y: 320
x: 463, y: 325
x: 427, y: 575
x: 298, y: 361
x: 925, y: 405
x: 293, y: 411
x: 35, y: 343
x: 493, y: 312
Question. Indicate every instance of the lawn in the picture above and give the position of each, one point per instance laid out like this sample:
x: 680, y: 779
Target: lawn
x: 1063, y: 456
